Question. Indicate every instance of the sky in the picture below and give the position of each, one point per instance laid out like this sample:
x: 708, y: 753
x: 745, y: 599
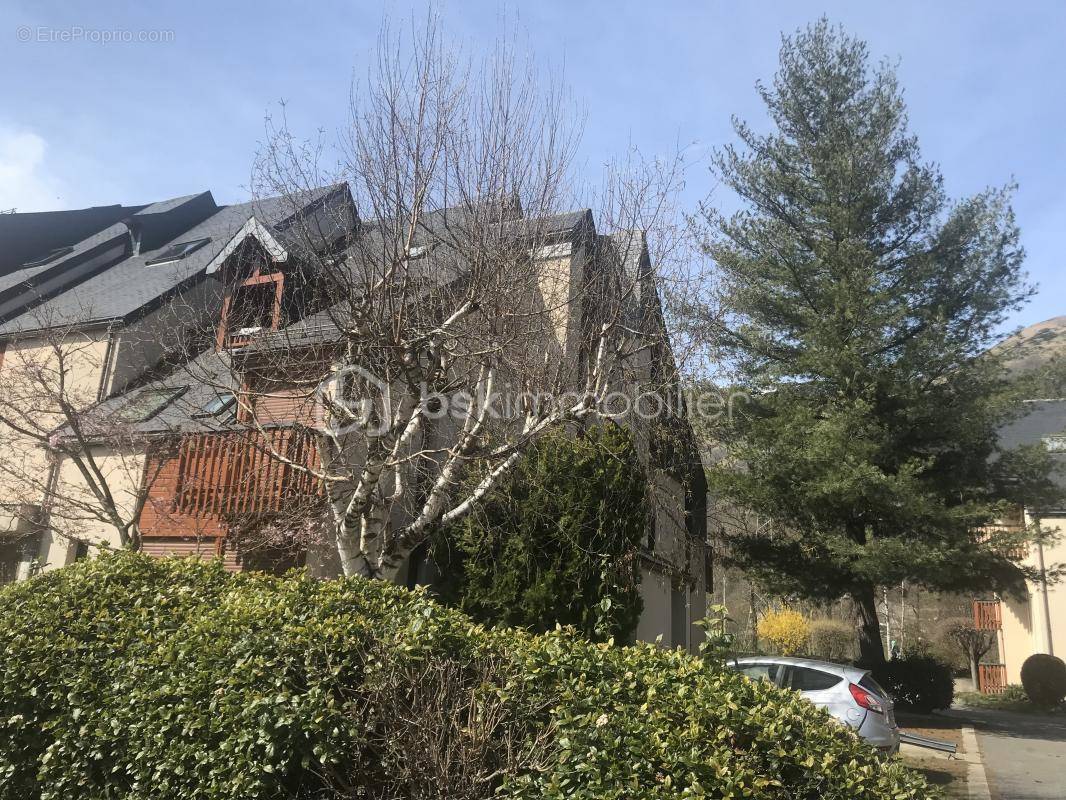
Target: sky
x: 114, y: 102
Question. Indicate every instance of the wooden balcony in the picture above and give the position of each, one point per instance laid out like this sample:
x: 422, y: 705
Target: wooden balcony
x: 205, y: 482
x: 987, y: 615
x: 992, y: 678
x: 1018, y: 552
x: 239, y: 473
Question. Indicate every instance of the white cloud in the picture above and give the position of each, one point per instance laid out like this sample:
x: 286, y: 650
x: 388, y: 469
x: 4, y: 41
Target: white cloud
x: 25, y: 181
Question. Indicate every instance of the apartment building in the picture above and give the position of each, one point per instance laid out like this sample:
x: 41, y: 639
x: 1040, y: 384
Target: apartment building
x: 85, y: 319
x: 1033, y: 622
x: 206, y: 338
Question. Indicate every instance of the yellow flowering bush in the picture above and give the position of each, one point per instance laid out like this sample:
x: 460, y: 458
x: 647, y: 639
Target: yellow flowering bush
x: 785, y: 630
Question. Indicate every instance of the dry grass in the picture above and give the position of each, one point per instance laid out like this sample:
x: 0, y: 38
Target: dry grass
x: 947, y: 773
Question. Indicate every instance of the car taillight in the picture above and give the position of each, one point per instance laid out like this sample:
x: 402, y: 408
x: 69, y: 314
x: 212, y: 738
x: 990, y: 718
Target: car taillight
x: 865, y: 699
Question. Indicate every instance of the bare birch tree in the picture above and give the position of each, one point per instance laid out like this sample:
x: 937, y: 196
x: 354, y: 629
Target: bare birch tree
x: 468, y: 313
x: 69, y: 468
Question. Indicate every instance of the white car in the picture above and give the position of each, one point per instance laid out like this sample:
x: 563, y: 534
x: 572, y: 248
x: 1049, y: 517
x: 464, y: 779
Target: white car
x: 849, y: 694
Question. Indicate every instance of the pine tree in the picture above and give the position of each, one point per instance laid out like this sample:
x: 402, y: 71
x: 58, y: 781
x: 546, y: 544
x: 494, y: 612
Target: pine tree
x: 859, y: 304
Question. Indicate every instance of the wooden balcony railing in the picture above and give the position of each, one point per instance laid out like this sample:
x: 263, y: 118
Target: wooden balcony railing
x: 992, y: 678
x: 1017, y: 552
x: 987, y: 615
x: 238, y: 473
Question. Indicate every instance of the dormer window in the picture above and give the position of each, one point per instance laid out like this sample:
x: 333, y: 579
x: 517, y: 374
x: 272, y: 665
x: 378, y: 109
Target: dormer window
x: 176, y: 252
x: 252, y: 308
x: 50, y: 257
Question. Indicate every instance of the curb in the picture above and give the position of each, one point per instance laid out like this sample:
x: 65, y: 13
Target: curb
x: 976, y: 779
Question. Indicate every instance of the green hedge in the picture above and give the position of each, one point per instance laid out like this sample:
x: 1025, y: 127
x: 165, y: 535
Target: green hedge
x: 129, y: 677
x: 556, y: 538
x: 917, y: 681
x: 1044, y: 680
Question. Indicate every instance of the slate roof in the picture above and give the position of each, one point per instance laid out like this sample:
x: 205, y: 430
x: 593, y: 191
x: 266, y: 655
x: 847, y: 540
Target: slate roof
x: 29, y: 236
x: 442, y: 265
x: 27, y: 274
x: 131, y: 285
x: 629, y: 248
x: 1041, y: 419
x: 204, y: 376
x: 203, y: 380
x: 1030, y: 349
x: 163, y: 206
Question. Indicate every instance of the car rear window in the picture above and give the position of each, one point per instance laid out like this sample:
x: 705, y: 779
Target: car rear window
x: 765, y: 672
x: 805, y: 679
x: 869, y: 684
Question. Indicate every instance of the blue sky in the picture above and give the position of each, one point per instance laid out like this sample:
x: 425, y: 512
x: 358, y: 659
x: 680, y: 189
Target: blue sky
x: 87, y: 122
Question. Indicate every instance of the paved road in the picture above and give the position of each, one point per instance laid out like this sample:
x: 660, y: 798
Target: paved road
x: 1024, y: 754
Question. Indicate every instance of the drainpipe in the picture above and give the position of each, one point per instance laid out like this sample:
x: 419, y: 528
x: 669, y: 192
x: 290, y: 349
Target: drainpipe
x: 44, y: 545
x: 1001, y: 641
x: 1043, y: 588
x: 107, y: 368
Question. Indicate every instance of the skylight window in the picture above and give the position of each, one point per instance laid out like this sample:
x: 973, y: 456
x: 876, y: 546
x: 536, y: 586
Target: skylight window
x: 176, y: 252
x: 419, y: 251
x: 222, y: 406
x: 59, y: 252
x: 1056, y: 443
x: 148, y: 403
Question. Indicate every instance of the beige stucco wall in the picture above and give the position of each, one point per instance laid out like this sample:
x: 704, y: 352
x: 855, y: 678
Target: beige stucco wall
x: 72, y: 515
x: 82, y: 354
x: 1027, y: 623
x: 656, y: 622
x: 25, y: 466
x: 655, y: 618
x: 1016, y: 636
x: 559, y: 276
x: 674, y: 563
x: 81, y: 364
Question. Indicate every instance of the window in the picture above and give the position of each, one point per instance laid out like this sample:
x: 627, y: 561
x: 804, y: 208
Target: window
x: 176, y: 252
x: 419, y: 251
x: 761, y: 672
x: 1055, y: 443
x: 804, y: 679
x: 222, y: 406
x: 252, y: 309
x: 148, y: 403
x: 50, y: 257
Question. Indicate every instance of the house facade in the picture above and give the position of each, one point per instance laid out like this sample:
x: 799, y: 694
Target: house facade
x: 85, y: 321
x: 1034, y: 622
x: 218, y: 433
